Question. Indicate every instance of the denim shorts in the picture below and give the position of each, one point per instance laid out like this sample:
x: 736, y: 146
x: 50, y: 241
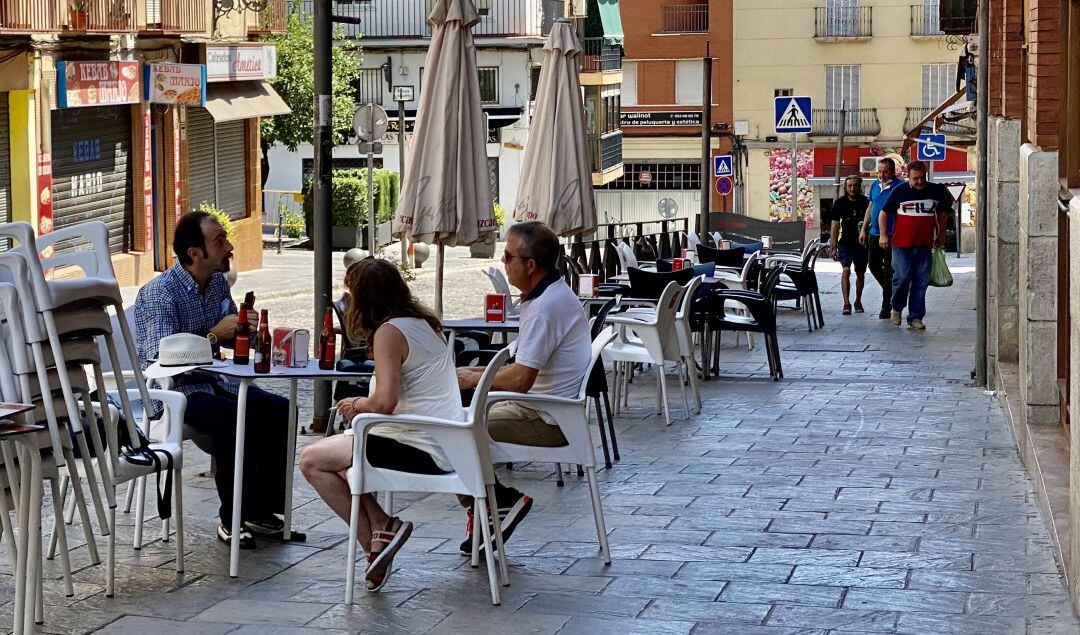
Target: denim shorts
x: 857, y: 254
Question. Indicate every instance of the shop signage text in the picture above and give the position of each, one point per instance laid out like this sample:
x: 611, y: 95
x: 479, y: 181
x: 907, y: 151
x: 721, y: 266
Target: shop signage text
x: 682, y: 118
x: 238, y: 62
x: 45, y: 194
x: 175, y: 84
x: 97, y: 83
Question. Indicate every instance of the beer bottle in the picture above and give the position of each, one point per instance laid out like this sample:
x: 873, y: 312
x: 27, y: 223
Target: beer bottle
x: 327, y: 341
x: 242, y: 337
x: 263, y: 344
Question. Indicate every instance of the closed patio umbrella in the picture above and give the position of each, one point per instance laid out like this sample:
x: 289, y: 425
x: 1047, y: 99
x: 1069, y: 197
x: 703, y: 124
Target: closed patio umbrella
x: 446, y: 199
x: 556, y: 179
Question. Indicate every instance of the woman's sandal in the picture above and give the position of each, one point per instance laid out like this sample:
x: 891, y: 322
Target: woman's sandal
x: 859, y: 308
x: 847, y: 310
x: 381, y: 561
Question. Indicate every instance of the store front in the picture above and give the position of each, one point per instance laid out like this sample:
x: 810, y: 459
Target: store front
x: 91, y: 134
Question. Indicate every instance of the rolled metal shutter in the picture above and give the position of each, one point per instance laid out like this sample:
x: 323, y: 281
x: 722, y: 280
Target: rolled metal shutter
x: 200, y: 151
x: 232, y: 168
x: 217, y: 167
x: 91, y: 150
x: 5, y: 165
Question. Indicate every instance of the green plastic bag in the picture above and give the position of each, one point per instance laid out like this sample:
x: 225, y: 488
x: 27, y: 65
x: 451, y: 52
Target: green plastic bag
x: 939, y: 270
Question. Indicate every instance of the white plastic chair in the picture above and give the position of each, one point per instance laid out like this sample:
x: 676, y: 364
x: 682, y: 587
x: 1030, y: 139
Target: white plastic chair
x: 502, y: 287
x: 124, y: 470
x: 692, y: 240
x: 571, y: 415
x: 656, y: 342
x: 466, y: 446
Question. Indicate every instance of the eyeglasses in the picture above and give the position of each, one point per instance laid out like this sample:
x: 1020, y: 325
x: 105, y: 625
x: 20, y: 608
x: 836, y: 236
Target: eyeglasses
x: 507, y: 257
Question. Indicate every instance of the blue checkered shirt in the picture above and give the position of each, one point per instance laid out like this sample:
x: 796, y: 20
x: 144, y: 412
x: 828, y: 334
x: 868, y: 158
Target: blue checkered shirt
x: 170, y: 304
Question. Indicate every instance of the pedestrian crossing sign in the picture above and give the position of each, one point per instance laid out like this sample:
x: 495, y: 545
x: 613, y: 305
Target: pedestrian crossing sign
x: 792, y: 114
x: 721, y: 165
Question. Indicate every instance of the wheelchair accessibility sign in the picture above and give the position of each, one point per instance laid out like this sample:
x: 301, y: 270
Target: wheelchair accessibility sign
x: 931, y: 147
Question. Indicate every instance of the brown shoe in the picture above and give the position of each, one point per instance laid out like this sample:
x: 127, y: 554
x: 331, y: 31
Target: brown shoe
x: 917, y: 325
x: 894, y: 318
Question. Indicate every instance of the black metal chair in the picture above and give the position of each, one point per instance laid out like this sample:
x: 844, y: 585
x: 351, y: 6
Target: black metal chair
x: 762, y: 319
x: 803, y: 287
x: 734, y: 258
x: 650, y: 284
x: 598, y: 387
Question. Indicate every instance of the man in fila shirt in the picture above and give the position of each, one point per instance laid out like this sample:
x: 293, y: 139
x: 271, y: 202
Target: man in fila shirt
x: 913, y: 222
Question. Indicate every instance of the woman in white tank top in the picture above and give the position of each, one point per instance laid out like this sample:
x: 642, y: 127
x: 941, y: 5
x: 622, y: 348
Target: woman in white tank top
x: 414, y: 373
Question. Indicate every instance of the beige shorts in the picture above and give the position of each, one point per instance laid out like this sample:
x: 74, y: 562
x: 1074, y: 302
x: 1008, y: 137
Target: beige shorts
x: 511, y: 422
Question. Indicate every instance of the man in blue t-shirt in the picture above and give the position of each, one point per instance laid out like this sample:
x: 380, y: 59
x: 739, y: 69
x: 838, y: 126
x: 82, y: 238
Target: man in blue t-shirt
x: 880, y: 258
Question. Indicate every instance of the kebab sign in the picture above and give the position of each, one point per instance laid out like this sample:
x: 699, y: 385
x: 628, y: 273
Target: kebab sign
x: 175, y: 84
x: 97, y: 83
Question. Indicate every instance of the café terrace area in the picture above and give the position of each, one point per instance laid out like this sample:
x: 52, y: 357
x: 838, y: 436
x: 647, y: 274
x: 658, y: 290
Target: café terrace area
x: 871, y: 490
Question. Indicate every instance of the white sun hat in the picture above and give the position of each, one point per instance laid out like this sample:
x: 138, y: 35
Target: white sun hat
x: 179, y: 354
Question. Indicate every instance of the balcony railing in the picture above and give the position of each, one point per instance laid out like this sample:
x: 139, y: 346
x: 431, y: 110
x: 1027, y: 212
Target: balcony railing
x: 926, y: 20
x: 100, y: 16
x: 685, y: 18
x: 272, y: 19
x: 29, y: 16
x: 405, y: 19
x: 600, y: 56
x: 860, y: 122
x: 605, y: 152
x: 842, y: 22
x: 915, y: 115
x: 176, y: 16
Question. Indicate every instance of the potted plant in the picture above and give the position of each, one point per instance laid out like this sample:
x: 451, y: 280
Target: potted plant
x: 78, y: 14
x: 487, y: 249
x: 349, y: 212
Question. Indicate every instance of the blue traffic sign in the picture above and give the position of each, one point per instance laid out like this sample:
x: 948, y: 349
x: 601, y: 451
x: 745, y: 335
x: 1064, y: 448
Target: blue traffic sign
x: 792, y: 114
x: 931, y: 147
x: 721, y: 165
x: 723, y: 186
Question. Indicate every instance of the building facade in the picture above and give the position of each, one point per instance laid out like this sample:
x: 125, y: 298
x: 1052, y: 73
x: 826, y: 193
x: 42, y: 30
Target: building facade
x: 119, y: 110
x: 662, y: 100
x: 394, y: 37
x: 876, y: 66
x: 1033, y: 250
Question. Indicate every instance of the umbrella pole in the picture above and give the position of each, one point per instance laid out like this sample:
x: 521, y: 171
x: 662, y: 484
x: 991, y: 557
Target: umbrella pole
x: 439, y: 280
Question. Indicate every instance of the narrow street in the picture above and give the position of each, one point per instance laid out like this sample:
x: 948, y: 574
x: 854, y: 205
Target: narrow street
x: 870, y: 491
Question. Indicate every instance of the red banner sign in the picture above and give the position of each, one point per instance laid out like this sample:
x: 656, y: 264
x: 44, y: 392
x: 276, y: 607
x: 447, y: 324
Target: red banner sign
x: 148, y: 183
x: 45, y: 200
x: 97, y: 83
x: 176, y: 163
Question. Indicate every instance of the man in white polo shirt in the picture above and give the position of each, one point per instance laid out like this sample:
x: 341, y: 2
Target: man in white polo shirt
x: 553, y: 352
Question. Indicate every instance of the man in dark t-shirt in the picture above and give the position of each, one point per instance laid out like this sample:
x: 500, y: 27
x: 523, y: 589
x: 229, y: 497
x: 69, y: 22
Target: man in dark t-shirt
x: 847, y: 215
x: 916, y: 212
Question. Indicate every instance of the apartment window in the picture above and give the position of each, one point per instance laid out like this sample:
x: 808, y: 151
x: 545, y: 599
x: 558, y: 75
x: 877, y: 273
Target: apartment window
x: 842, y: 87
x: 931, y: 16
x: 534, y: 82
x: 938, y: 83
x: 489, y: 84
x: 665, y: 176
x: 629, y: 83
x: 602, y: 112
x: 368, y: 86
x: 688, y: 81
x: 841, y: 18
x: 783, y: 92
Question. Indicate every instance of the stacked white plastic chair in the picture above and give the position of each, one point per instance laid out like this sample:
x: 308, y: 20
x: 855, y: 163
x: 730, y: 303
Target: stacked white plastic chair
x: 66, y: 315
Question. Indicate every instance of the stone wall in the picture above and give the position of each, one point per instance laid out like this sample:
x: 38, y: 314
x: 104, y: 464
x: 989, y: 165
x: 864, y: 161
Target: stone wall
x: 1074, y: 403
x: 1003, y: 244
x: 1038, y: 285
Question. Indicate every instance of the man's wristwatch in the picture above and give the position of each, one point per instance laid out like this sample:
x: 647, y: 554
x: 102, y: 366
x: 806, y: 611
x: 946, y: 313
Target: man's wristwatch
x: 213, y: 338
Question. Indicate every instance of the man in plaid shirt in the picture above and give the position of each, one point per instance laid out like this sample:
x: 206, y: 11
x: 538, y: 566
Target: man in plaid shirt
x: 193, y: 297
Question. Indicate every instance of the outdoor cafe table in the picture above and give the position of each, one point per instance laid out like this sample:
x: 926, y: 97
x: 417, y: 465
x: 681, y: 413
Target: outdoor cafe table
x: 478, y: 324
x: 247, y: 375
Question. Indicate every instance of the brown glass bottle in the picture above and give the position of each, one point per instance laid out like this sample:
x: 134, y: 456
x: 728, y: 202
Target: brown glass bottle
x: 263, y: 344
x: 327, y: 341
x: 242, y: 338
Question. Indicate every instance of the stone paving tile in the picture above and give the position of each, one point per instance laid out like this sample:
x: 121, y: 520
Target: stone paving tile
x: 749, y: 592
x: 849, y: 619
x: 135, y: 624
x: 262, y: 612
x: 906, y: 600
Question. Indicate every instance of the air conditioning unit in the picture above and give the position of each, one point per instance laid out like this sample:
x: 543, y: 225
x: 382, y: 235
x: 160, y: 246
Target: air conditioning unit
x: 868, y: 164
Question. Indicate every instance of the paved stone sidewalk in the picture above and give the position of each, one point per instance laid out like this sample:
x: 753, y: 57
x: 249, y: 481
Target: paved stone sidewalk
x: 867, y: 492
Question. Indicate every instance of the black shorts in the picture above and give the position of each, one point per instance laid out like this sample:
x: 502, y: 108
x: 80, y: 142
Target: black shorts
x: 857, y: 254
x: 390, y: 454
